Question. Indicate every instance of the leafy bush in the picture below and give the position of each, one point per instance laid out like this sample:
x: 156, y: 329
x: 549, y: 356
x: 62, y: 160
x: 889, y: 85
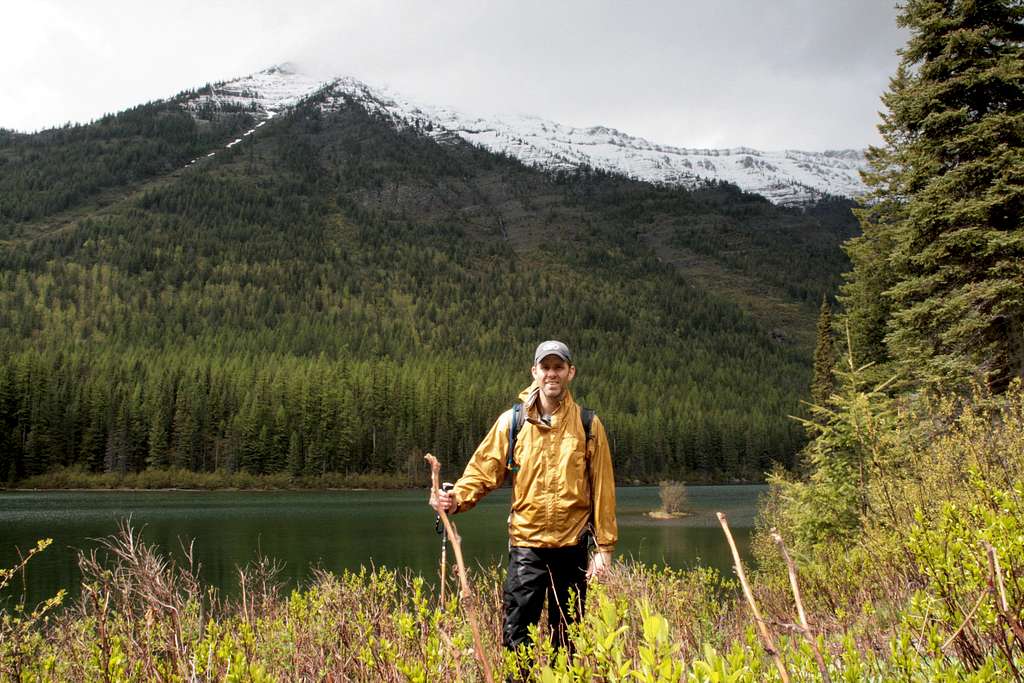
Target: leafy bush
x: 971, y: 556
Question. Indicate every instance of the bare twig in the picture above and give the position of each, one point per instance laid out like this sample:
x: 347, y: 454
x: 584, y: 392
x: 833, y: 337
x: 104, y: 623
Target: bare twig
x: 242, y: 581
x: 997, y: 576
x: 967, y: 620
x: 999, y: 593
x: 804, y: 624
x: 435, y: 484
x: 766, y: 636
x: 455, y: 650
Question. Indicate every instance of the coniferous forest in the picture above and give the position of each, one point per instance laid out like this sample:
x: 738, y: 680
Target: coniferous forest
x: 338, y: 294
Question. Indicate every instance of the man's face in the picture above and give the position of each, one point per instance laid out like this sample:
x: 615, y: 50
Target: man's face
x: 553, y: 375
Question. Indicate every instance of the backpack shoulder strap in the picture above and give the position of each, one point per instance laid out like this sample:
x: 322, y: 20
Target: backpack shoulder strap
x: 590, y: 535
x: 587, y: 418
x: 515, y: 424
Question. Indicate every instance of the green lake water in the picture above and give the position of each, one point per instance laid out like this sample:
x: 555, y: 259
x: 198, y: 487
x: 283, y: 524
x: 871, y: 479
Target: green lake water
x: 335, y: 530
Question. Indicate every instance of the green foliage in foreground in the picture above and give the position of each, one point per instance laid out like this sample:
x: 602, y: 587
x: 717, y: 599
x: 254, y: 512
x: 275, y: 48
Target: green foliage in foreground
x: 920, y: 497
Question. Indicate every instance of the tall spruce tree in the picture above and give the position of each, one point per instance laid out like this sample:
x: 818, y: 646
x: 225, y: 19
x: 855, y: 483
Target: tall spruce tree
x: 946, y: 242
x: 823, y: 383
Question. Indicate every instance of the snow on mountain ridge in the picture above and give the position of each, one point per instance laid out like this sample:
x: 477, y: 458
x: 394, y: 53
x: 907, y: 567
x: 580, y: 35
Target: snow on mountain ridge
x: 790, y: 177
x: 267, y: 92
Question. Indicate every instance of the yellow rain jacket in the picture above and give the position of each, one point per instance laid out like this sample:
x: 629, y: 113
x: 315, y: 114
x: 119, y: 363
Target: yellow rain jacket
x: 560, y: 475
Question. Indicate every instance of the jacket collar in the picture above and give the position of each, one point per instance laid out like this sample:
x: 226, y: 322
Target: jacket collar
x: 530, y: 396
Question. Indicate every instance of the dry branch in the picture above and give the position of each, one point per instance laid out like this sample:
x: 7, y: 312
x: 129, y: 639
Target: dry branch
x: 999, y: 593
x: 435, y: 485
x: 804, y: 624
x: 762, y: 627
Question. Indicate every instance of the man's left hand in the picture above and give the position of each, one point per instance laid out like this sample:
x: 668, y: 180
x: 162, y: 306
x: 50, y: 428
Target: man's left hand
x: 600, y: 565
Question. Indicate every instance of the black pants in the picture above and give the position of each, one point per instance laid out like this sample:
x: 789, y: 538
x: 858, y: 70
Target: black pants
x: 536, y: 573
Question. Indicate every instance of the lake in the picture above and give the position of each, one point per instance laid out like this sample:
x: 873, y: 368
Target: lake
x: 335, y: 530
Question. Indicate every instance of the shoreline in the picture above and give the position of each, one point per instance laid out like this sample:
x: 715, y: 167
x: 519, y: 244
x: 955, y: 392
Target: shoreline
x: 273, y: 489
x: 177, y: 479
x: 186, y: 489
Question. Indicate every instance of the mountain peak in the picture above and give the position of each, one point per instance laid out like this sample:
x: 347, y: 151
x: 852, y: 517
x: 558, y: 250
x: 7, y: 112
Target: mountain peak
x: 282, y: 69
x: 788, y: 177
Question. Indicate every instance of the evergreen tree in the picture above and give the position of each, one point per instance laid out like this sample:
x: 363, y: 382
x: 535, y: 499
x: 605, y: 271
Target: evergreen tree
x: 953, y: 165
x: 183, y: 433
x: 823, y: 384
x: 251, y: 448
x: 9, y: 442
x: 93, y: 440
x: 866, y: 308
x: 118, y: 450
x: 277, y: 458
x: 295, y: 464
x: 137, y: 429
x: 159, y: 444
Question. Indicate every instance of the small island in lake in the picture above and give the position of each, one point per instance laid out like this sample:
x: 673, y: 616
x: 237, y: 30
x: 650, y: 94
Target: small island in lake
x: 673, y: 501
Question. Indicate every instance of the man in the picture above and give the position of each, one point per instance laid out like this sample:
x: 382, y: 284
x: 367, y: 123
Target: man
x: 563, y: 491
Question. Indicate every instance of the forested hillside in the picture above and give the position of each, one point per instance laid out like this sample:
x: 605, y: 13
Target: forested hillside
x: 336, y: 295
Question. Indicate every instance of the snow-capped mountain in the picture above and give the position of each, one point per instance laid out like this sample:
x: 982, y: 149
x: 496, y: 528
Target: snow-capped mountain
x: 788, y: 177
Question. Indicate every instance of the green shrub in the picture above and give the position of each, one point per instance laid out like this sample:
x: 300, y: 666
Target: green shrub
x: 960, y: 601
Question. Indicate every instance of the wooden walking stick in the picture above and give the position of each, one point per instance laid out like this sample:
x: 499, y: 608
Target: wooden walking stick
x: 435, y: 486
x: 805, y: 626
x: 444, y: 562
x: 766, y: 636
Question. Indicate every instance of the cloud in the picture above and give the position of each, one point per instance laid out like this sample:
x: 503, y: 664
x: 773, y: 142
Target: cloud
x: 781, y: 74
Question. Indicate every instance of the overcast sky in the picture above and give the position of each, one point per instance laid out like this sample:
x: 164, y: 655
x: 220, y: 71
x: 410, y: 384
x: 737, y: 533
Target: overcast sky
x: 768, y: 74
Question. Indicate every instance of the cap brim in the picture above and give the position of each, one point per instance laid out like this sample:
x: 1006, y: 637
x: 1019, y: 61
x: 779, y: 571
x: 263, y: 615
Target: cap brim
x: 552, y: 353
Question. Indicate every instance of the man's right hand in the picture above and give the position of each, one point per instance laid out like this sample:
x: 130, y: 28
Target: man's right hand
x: 600, y: 565
x: 444, y: 499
